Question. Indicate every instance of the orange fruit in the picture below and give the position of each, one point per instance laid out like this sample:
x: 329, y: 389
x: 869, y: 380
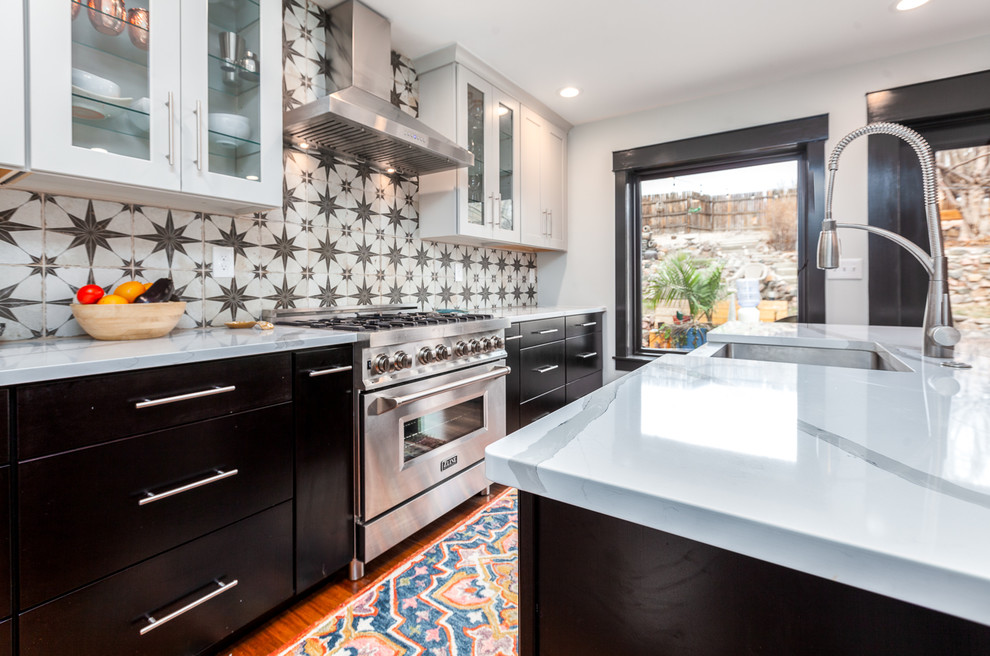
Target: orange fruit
x: 112, y: 299
x: 129, y: 290
x: 148, y: 285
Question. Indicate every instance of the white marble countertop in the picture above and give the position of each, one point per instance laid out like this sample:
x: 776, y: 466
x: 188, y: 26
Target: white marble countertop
x: 532, y: 313
x: 877, y: 479
x: 49, y: 359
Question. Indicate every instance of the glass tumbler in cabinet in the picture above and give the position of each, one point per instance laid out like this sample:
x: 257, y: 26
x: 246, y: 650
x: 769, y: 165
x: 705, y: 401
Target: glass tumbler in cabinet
x: 231, y: 90
x: 104, y: 90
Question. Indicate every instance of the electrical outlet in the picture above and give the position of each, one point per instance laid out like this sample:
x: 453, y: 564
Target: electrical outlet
x: 458, y: 272
x: 223, y: 262
x: 532, y: 276
x: 850, y: 268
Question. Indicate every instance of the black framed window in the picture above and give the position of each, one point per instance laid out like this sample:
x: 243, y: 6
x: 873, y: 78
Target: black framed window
x: 953, y: 115
x: 797, y: 145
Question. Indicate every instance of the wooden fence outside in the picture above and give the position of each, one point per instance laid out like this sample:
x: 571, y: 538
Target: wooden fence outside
x: 691, y: 211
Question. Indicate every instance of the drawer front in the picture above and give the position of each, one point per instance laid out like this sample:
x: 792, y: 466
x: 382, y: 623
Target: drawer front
x: 584, y: 355
x: 540, y: 332
x: 101, y: 408
x: 6, y: 638
x: 107, y: 617
x: 541, y: 369
x: 582, y: 324
x: 583, y: 386
x: 541, y: 406
x: 81, y: 509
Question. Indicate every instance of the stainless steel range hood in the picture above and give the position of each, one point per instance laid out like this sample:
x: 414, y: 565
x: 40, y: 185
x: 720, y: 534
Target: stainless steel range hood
x: 357, y: 118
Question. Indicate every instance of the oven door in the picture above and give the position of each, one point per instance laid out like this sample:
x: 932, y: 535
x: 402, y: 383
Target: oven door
x: 421, y: 433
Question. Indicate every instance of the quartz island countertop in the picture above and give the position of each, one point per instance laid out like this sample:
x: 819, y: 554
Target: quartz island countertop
x: 876, y: 479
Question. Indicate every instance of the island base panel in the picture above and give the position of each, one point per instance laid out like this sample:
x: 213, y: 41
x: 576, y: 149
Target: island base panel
x: 592, y: 584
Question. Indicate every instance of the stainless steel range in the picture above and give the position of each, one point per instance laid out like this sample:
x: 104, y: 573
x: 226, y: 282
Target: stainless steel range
x: 431, y: 398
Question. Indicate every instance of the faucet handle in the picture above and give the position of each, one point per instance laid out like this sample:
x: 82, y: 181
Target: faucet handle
x: 944, y: 335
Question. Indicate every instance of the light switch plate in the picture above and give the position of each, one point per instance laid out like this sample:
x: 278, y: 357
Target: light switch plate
x: 850, y: 268
x: 223, y: 262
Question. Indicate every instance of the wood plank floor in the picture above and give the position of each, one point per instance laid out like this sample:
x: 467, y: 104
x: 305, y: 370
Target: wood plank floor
x: 280, y: 630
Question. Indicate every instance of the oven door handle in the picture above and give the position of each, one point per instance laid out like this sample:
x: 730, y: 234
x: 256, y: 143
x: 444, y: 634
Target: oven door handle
x: 386, y: 403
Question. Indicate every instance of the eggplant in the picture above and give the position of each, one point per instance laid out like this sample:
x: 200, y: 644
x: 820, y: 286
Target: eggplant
x: 159, y: 292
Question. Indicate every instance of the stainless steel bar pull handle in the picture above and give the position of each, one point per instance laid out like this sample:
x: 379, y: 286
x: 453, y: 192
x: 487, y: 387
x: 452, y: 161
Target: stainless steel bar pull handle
x: 333, y: 370
x: 589, y: 354
x: 170, y: 103
x: 391, y: 402
x: 219, y: 476
x: 550, y: 223
x: 155, y: 623
x: 512, y: 337
x: 544, y: 369
x: 199, y: 135
x: 585, y: 325
x: 545, y: 332
x: 148, y: 403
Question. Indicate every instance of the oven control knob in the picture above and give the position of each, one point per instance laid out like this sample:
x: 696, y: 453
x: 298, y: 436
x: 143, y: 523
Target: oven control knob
x: 426, y: 355
x: 402, y: 360
x: 380, y: 364
x: 486, y: 345
x: 497, y: 342
x: 461, y: 349
x: 443, y: 353
x: 474, y: 347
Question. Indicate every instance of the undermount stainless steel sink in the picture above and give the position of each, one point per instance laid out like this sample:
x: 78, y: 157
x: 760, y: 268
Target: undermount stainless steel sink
x: 876, y: 359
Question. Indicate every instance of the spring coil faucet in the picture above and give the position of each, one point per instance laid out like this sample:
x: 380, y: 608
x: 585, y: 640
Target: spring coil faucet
x: 939, y: 334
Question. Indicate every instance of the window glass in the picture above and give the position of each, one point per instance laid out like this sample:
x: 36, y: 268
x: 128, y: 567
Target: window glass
x: 964, y: 204
x: 701, y: 233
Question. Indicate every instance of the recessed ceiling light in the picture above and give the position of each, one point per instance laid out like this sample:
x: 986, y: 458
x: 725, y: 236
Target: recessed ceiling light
x: 390, y: 170
x: 569, y: 92
x: 303, y: 145
x: 502, y: 110
x: 252, y: 178
x: 906, y: 5
x: 97, y: 149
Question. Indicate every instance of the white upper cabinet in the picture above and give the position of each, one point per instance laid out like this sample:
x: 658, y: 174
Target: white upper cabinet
x: 486, y: 204
x: 231, y: 106
x: 177, y: 103
x: 12, y: 98
x: 476, y: 204
x: 544, y: 174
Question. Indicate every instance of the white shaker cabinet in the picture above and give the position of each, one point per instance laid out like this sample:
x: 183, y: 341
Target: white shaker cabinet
x: 477, y: 204
x: 174, y: 103
x: 544, y: 171
x: 12, y: 95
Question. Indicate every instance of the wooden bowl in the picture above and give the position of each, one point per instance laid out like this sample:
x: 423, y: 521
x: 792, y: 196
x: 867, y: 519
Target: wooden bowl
x: 131, y: 321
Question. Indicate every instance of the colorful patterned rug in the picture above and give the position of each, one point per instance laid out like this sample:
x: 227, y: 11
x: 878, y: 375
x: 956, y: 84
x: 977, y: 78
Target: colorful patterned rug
x: 457, y: 597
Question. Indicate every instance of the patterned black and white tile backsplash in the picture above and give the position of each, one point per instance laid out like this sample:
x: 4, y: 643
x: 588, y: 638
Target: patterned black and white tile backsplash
x: 345, y: 235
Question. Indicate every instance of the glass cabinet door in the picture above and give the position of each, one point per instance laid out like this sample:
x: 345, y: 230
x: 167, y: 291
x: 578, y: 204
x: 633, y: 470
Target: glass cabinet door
x: 507, y: 123
x: 230, y: 104
x: 476, y: 128
x: 104, y: 89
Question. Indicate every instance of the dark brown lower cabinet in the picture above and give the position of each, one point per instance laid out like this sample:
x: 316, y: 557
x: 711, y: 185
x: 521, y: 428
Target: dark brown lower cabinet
x: 6, y: 638
x: 184, y: 600
x: 324, y: 489
x: 554, y: 362
x: 591, y: 584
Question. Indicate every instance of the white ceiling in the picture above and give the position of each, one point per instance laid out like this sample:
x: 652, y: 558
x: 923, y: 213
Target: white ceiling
x: 630, y: 55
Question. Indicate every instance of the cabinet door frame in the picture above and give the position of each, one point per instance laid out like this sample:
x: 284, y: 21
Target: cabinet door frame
x: 50, y: 75
x: 553, y: 173
x: 533, y: 215
x: 196, y: 178
x: 465, y: 77
x: 12, y: 145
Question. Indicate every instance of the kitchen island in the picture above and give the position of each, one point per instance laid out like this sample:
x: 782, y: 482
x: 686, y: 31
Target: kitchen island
x: 719, y: 506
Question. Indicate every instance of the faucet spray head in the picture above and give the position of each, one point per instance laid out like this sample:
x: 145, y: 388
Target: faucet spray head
x: 828, y: 246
